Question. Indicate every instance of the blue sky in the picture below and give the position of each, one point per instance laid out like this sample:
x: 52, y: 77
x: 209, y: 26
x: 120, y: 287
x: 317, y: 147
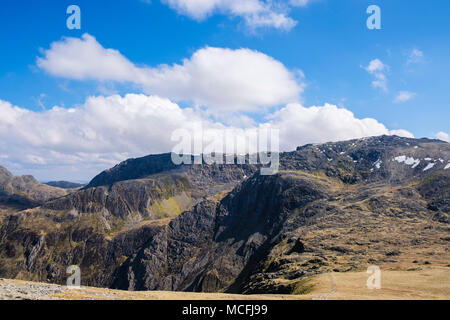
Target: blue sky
x: 329, y: 43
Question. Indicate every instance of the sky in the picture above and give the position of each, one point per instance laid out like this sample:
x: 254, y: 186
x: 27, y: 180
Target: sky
x: 75, y: 102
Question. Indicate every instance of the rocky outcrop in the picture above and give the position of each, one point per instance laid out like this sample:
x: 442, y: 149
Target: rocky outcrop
x: 45, y: 257
x: 123, y: 199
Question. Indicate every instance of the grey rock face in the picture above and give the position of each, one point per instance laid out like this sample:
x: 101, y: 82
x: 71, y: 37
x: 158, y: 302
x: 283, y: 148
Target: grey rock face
x: 214, y: 246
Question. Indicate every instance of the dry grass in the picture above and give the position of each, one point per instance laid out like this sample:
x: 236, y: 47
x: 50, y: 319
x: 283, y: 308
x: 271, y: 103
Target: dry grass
x: 431, y: 283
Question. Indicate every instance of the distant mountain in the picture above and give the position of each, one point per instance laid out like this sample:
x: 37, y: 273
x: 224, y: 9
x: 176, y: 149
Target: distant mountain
x: 147, y: 224
x: 25, y: 191
x: 65, y: 184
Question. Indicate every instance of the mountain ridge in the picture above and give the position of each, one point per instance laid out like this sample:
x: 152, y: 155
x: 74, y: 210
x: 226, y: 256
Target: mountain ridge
x: 25, y: 191
x: 224, y: 228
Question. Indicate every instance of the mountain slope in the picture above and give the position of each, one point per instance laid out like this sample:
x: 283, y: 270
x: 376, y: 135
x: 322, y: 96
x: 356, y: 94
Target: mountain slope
x: 25, y: 191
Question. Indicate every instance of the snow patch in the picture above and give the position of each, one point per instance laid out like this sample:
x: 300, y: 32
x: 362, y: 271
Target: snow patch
x: 410, y: 161
x: 447, y: 166
x: 400, y: 159
x: 429, y: 166
x: 378, y: 163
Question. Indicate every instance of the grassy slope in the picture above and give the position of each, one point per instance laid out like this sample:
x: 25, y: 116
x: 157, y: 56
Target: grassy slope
x: 429, y: 283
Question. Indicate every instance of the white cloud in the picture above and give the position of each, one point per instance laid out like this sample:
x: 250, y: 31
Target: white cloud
x: 78, y: 143
x: 299, y: 125
x: 401, y: 133
x: 378, y: 69
x: 415, y: 56
x: 403, y: 96
x: 217, y: 78
x: 85, y: 58
x: 255, y: 13
x: 443, y: 136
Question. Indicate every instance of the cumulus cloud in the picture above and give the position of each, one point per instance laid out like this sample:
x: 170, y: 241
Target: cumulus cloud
x: 77, y: 143
x: 85, y: 58
x: 443, y: 136
x: 404, y: 96
x: 255, y: 13
x: 218, y: 78
x: 82, y: 141
x: 300, y: 125
x: 378, y: 70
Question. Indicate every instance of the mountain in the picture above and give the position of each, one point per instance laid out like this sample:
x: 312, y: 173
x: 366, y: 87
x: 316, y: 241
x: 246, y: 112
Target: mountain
x: 65, y: 184
x: 147, y: 224
x: 24, y: 192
